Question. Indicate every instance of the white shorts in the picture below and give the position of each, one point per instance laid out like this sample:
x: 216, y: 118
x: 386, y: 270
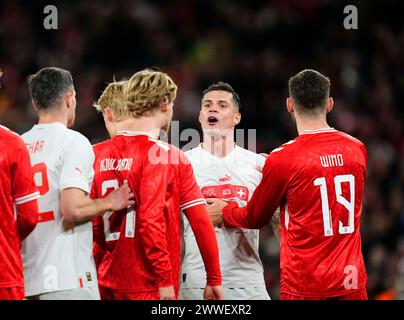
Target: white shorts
x: 252, y: 293
x: 86, y: 293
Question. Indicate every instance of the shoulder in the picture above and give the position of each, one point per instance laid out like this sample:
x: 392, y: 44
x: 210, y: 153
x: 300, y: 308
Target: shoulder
x: 74, y: 138
x: 248, y: 157
x: 10, y: 137
x: 76, y: 144
x: 351, y: 138
x: 75, y: 135
x: 249, y: 154
x: 98, y: 147
x: 9, y: 134
x: 193, y: 153
x: 285, y: 149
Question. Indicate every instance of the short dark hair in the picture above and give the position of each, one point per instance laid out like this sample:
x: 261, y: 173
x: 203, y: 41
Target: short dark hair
x: 223, y: 86
x: 309, y: 89
x: 48, y: 86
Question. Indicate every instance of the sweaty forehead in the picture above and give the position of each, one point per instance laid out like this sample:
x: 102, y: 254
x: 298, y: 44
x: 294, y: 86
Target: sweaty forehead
x: 218, y: 95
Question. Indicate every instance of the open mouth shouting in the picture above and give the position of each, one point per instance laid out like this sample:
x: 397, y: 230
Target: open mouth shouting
x: 212, y: 120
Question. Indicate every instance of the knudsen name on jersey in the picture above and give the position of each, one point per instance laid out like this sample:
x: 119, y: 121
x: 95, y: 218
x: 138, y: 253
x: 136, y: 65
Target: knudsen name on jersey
x: 116, y: 164
x: 332, y: 160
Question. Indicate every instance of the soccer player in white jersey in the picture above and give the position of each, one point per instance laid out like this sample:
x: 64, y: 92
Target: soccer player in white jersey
x: 57, y: 256
x: 227, y: 171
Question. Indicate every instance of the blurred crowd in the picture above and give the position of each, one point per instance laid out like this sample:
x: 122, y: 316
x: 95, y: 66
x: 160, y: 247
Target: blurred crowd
x: 255, y: 46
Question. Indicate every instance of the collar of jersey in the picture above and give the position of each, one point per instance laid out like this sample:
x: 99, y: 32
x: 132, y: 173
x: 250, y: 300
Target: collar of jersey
x: 128, y: 133
x: 318, y: 131
x: 41, y: 125
x: 218, y: 158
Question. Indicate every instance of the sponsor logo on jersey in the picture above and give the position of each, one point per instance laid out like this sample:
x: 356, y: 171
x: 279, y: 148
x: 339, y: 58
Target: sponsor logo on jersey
x: 226, y: 191
x: 226, y: 178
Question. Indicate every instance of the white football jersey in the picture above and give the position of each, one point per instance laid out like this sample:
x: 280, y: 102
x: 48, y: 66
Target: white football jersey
x: 232, y: 178
x: 57, y: 256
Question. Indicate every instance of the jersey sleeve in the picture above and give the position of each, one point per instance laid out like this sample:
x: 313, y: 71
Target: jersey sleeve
x: 191, y: 194
x: 152, y: 229
x: 24, y: 189
x: 265, y: 199
x: 207, y: 242
x: 77, y: 167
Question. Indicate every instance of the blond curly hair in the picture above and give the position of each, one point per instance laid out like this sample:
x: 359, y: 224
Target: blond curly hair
x: 112, y: 98
x: 146, y: 90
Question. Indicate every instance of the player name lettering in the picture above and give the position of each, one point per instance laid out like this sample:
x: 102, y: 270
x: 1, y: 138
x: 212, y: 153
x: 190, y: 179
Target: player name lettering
x: 332, y: 160
x: 36, y: 146
x: 111, y: 164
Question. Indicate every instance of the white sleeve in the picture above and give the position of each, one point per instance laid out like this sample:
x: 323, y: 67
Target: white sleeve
x: 77, y: 164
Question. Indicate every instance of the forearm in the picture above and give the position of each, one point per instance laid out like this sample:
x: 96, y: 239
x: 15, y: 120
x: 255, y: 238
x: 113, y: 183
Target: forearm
x: 244, y: 217
x: 88, y: 208
x: 85, y: 209
x: 276, y: 224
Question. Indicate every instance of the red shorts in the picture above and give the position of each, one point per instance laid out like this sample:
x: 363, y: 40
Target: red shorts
x: 113, y: 294
x: 356, y: 295
x: 14, y: 293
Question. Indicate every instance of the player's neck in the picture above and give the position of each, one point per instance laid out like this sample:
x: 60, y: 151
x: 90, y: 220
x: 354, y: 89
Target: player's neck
x: 47, y: 118
x: 304, y: 124
x: 147, y: 125
x: 218, y: 146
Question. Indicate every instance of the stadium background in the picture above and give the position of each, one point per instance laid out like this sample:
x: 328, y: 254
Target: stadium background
x: 255, y: 46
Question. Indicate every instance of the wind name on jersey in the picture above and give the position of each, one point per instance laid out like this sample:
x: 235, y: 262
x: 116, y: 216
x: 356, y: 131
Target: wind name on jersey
x: 332, y: 160
x: 112, y: 164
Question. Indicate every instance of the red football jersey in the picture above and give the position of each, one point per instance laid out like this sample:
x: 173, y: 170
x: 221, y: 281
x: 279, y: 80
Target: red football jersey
x: 317, y: 180
x: 16, y: 187
x: 139, y: 249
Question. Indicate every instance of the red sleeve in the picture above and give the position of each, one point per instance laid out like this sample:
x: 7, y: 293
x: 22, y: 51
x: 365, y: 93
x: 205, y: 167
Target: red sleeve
x: 205, y: 236
x: 151, y: 220
x: 24, y: 189
x: 191, y: 194
x: 265, y: 199
x: 27, y: 218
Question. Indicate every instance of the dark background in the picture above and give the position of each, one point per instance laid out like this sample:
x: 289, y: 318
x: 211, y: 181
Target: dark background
x: 255, y: 46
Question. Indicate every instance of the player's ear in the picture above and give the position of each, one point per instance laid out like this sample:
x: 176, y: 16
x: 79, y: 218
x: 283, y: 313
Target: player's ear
x: 289, y: 105
x: 200, y: 117
x: 34, y: 105
x: 69, y: 99
x: 108, y: 115
x: 165, y: 105
x: 330, y: 104
x: 237, y: 118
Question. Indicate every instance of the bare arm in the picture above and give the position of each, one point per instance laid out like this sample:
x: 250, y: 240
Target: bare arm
x: 77, y: 206
x: 276, y: 224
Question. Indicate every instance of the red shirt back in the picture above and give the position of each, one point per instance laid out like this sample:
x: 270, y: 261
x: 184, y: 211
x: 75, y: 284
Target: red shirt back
x: 16, y: 187
x: 142, y: 244
x: 317, y: 180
